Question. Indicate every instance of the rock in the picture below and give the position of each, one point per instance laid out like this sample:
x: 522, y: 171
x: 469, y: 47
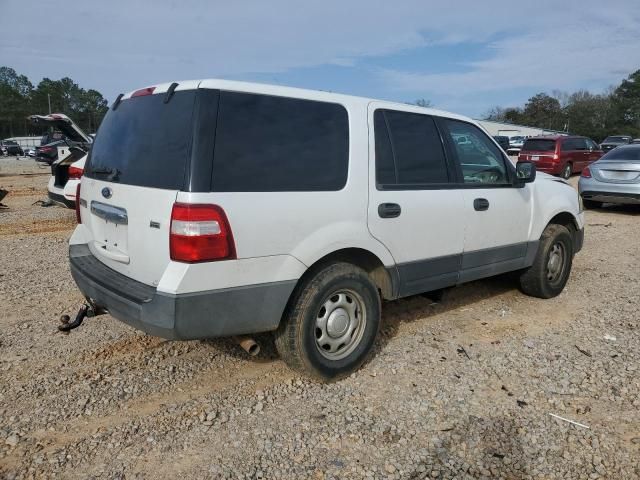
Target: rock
x: 12, y: 440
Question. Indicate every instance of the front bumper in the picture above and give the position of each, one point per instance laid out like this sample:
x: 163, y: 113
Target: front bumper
x: 578, y: 240
x: 215, y: 313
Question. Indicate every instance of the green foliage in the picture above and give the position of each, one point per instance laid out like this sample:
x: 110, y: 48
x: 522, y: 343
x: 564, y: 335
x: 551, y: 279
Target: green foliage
x: 421, y: 102
x: 582, y: 113
x: 19, y: 99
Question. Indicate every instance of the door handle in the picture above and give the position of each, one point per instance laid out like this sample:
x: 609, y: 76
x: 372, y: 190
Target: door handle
x: 389, y: 210
x: 481, y: 204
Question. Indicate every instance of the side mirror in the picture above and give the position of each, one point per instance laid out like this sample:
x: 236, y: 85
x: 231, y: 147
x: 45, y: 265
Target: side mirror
x: 525, y: 172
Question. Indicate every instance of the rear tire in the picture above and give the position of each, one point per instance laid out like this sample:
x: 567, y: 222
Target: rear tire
x: 548, y: 274
x: 566, y: 171
x: 331, y: 322
x: 591, y: 204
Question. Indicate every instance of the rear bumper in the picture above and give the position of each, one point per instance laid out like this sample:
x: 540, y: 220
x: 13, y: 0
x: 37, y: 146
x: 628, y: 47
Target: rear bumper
x: 215, y: 313
x: 612, y: 197
x: 61, y: 199
x: 597, y: 191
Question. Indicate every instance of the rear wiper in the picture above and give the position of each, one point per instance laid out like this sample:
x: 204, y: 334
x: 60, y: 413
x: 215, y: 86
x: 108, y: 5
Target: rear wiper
x: 113, y: 173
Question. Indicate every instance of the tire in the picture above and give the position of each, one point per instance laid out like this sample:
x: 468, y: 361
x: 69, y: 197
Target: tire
x: 591, y: 204
x: 544, y: 279
x: 566, y: 171
x: 336, y: 295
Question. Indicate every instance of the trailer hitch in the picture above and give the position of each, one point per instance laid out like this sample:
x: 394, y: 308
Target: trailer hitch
x: 86, y: 310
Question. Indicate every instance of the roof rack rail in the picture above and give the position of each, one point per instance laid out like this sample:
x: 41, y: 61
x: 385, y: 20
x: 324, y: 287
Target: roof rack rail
x: 117, y: 102
x: 170, y: 92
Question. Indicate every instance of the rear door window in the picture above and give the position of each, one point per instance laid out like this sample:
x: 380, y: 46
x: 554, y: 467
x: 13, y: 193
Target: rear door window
x: 266, y: 143
x: 145, y: 142
x: 409, y: 150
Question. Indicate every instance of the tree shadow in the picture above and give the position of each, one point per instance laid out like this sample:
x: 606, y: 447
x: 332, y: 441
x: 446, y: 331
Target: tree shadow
x: 410, y: 309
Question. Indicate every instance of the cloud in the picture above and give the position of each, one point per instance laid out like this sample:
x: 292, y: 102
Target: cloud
x: 120, y: 45
x: 559, y: 50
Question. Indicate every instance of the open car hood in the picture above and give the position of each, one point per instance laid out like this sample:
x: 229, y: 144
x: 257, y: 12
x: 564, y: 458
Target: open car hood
x: 64, y: 124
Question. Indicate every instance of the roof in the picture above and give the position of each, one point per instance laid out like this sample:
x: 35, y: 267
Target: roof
x: 282, y: 91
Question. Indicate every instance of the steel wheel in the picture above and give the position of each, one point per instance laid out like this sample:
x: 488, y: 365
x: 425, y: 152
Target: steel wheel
x: 340, y: 323
x: 556, y: 262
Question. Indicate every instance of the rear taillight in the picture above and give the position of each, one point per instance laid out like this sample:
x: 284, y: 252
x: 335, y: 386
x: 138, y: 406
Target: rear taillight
x: 556, y: 156
x: 46, y: 149
x: 200, y: 233
x: 78, y: 218
x: 75, y: 172
x: 586, y: 173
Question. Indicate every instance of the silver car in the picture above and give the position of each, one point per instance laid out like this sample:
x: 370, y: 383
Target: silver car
x: 615, y: 178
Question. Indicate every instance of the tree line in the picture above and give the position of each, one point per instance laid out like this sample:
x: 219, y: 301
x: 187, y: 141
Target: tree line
x: 19, y: 99
x: 615, y: 112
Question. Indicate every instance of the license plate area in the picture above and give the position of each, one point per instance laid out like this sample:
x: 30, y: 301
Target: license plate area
x: 535, y: 158
x: 618, y: 175
x: 110, y: 225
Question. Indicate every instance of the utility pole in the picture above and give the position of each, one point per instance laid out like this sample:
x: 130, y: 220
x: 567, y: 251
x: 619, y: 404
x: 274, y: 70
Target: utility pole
x: 49, y: 99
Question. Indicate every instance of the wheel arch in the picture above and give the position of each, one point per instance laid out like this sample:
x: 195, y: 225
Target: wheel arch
x: 385, y: 279
x: 566, y: 219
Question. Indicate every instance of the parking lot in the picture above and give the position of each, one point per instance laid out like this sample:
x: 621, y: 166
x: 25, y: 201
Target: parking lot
x: 464, y: 388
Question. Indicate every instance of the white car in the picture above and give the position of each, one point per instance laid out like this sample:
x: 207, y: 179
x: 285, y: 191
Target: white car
x: 64, y: 181
x: 217, y: 208
x: 68, y: 167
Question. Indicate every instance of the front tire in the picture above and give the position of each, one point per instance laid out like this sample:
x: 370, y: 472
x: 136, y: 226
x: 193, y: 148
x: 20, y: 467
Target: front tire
x: 549, y: 273
x: 331, y: 322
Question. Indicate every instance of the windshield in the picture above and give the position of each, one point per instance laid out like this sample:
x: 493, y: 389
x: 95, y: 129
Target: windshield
x: 537, y: 145
x: 616, y: 140
x: 144, y: 142
x: 630, y: 153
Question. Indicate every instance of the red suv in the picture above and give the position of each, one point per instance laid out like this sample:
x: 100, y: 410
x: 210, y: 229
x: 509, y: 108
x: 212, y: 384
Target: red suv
x: 560, y: 155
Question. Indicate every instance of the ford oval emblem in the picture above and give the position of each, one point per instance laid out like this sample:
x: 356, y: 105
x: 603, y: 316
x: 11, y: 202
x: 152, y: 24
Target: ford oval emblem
x: 106, y: 192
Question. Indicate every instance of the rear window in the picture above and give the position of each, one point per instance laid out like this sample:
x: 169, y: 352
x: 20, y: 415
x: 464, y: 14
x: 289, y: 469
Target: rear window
x: 145, y: 142
x: 631, y: 153
x: 535, y: 145
x: 266, y: 143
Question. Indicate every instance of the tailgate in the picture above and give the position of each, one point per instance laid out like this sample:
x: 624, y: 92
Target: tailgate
x: 138, y: 162
x: 130, y: 228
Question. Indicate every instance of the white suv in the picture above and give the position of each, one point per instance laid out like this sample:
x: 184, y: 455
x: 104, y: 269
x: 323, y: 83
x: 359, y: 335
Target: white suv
x: 217, y: 208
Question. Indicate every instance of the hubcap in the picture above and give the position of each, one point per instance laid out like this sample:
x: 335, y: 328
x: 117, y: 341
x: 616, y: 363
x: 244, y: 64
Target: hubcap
x: 340, y: 324
x: 555, y: 264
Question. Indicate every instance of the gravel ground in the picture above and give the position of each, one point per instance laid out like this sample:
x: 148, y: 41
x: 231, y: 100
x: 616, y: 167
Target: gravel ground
x: 459, y: 389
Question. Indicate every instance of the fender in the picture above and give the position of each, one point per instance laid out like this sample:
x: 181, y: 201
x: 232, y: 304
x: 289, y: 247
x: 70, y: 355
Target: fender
x: 338, y: 236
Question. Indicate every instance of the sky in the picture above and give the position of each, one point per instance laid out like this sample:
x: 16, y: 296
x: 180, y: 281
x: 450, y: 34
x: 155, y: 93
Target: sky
x: 463, y: 56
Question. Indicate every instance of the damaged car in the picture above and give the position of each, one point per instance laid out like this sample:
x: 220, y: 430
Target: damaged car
x: 70, y: 155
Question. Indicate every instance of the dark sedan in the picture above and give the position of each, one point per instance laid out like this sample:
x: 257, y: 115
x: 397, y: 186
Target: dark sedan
x: 614, y: 141
x: 502, y: 141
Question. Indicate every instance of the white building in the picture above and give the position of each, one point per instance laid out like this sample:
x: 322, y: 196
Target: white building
x: 513, y: 130
x: 27, y: 142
